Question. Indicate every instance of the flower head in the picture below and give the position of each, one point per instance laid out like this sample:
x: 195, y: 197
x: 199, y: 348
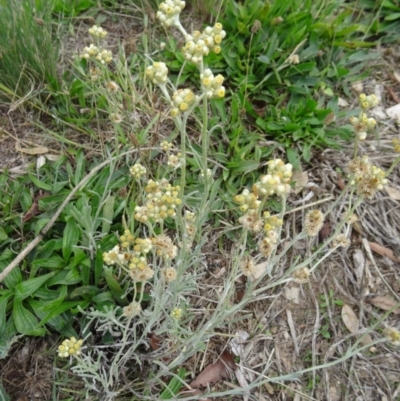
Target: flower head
x: 97, y: 32
x: 176, y: 313
x: 182, y: 101
x: 199, y: 44
x: 169, y: 274
x: 340, y: 241
x: 212, y: 86
x: 132, y: 310
x: 158, y: 73
x: 276, y: 181
x: 313, y: 222
x: 70, y: 347
x: 137, y: 171
x: 168, y: 12
x: 392, y: 335
x: 367, y: 178
x: 164, y: 247
x: 302, y: 275
x: 367, y: 102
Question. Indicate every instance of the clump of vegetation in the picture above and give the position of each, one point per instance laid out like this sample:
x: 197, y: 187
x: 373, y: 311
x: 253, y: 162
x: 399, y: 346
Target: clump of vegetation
x: 121, y: 241
x: 28, y: 52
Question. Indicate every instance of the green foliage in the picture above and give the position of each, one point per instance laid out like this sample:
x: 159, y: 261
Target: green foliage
x: 72, y: 8
x: 262, y: 39
x: 25, y: 37
x: 328, y: 302
x: 383, y: 16
x: 174, y: 386
x: 65, y: 271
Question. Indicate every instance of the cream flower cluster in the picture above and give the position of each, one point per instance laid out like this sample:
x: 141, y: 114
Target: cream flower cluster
x: 164, y: 247
x: 166, y: 146
x: 271, y: 234
x: 137, y: 171
x: 176, y: 313
x: 367, y: 178
x: 90, y: 51
x: 248, y: 266
x: 392, y: 335
x: 168, y: 12
x: 101, y: 55
x: 189, y: 220
x: 302, y: 275
x: 247, y: 200
x: 182, y: 100
x: 212, y: 85
x: 251, y: 221
x: 131, y: 253
x: 271, y: 225
x: 276, y: 181
x: 199, y: 43
x: 169, y: 274
x: 132, y: 310
x: 70, y: 347
x: 313, y: 222
x: 174, y: 161
x: 97, y: 32
x: 367, y: 102
x: 161, y: 201
x: 362, y: 125
x: 116, y: 256
x: 158, y: 72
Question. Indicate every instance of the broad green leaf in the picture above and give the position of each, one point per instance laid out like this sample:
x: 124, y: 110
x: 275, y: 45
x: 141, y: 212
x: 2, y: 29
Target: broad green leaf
x: 39, y: 183
x: 54, y: 262
x: 67, y: 276
x: 85, y: 291
x: 70, y: 238
x: 40, y: 224
x: 108, y: 214
x: 3, y: 234
x: 4, y: 298
x: 61, y: 322
x: 13, y: 278
x: 103, y: 297
x: 80, y: 167
x: 98, y: 266
x: 26, y: 288
x: 25, y: 322
x: 114, y: 286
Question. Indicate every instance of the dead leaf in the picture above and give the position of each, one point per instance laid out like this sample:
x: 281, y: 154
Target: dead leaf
x: 340, y: 183
x: 394, y: 112
x: 258, y: 271
x: 301, y: 180
x: 393, y: 94
x: 38, y: 150
x: 352, y: 323
x: 325, y: 231
x: 381, y: 250
x: 242, y: 382
x: 215, y: 371
x: 359, y: 264
x: 292, y: 294
x: 155, y: 341
x: 395, y: 76
x: 236, y: 344
x: 392, y: 192
x: 192, y: 393
x: 34, y: 209
x: 383, y: 302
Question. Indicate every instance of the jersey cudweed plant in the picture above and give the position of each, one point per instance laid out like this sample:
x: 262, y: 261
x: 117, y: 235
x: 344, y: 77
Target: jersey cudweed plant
x: 154, y: 269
